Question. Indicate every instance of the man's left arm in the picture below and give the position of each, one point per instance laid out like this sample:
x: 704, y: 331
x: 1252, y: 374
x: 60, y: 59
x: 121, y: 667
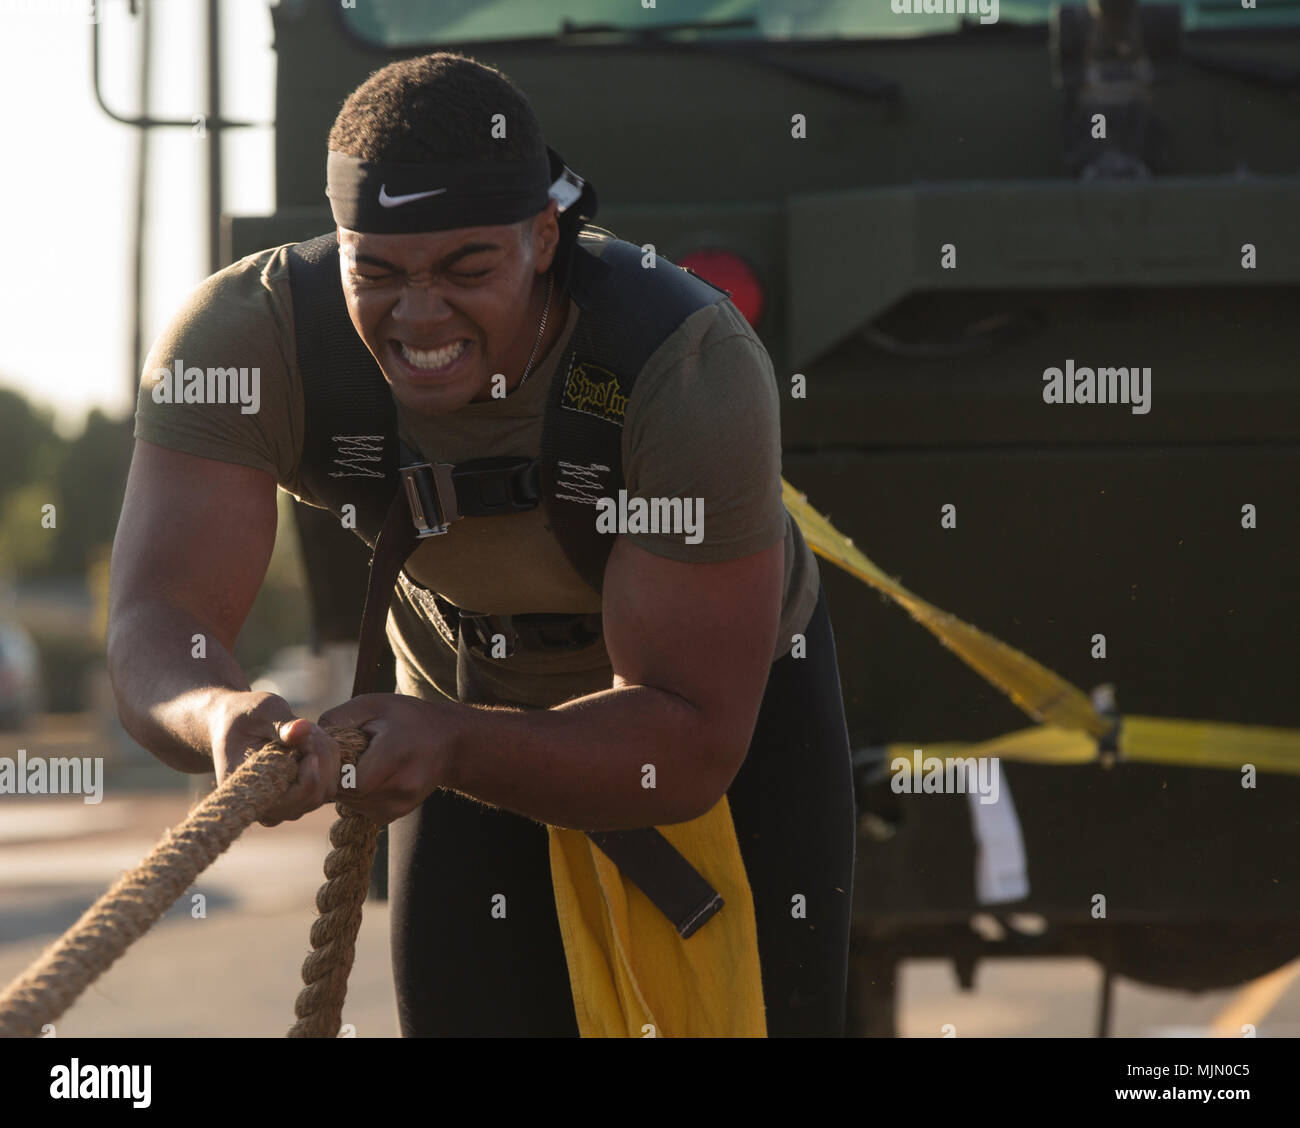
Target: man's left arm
x: 691, y: 646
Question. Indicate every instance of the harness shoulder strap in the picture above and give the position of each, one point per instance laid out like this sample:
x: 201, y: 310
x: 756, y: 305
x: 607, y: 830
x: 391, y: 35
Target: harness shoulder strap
x: 628, y: 311
x: 350, y: 451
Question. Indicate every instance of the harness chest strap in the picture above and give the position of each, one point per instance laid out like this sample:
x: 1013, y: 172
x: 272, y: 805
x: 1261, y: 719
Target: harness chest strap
x: 350, y: 452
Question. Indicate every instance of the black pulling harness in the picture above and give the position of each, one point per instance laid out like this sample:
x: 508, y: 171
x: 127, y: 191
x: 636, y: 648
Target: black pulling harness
x: 352, y: 457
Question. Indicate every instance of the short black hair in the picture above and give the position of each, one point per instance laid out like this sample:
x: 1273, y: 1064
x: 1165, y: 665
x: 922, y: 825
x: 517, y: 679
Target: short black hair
x: 436, y: 107
x: 441, y: 107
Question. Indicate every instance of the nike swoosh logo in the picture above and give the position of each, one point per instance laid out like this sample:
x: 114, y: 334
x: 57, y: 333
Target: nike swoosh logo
x: 387, y: 201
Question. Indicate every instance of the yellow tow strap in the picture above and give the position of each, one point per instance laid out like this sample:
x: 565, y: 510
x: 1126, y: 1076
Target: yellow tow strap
x: 1071, y: 723
x: 1150, y: 740
x: 1045, y: 696
x: 632, y: 976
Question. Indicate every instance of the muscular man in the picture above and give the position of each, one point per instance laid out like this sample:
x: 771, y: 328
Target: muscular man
x: 456, y: 278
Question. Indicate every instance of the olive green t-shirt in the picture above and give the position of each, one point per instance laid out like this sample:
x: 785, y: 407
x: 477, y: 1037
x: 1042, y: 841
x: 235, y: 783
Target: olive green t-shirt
x: 703, y: 422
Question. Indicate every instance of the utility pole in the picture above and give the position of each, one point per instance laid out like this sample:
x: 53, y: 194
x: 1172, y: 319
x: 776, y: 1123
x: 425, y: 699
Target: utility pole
x: 214, y: 130
x: 140, y: 223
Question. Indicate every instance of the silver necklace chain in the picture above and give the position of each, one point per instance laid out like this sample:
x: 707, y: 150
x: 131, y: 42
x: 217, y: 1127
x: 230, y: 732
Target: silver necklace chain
x: 541, y: 330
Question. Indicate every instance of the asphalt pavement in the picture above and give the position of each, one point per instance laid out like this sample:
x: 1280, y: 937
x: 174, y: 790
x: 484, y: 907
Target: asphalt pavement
x: 227, y: 965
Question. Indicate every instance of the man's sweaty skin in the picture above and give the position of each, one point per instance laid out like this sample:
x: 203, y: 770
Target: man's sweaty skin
x: 191, y: 552
x: 690, y: 644
x: 169, y: 583
x: 198, y: 715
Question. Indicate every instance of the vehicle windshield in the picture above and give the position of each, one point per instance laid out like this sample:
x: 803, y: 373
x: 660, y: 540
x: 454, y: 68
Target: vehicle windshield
x: 399, y: 23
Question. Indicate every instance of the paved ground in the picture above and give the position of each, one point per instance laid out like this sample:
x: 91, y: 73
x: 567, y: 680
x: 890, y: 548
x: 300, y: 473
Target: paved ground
x: 234, y: 972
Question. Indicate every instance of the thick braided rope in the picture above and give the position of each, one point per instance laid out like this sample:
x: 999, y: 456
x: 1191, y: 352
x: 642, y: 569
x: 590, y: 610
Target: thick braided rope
x: 325, y: 971
x: 140, y: 897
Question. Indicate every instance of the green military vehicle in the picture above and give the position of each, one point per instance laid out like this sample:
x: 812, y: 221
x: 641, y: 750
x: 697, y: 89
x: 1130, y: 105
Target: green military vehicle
x: 925, y: 212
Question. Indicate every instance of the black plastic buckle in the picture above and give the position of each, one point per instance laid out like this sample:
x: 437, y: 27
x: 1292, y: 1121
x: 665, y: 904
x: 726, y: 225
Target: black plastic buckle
x: 431, y: 496
x: 486, y: 487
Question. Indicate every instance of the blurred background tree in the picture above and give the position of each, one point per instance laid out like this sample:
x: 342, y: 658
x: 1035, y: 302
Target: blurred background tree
x: 30, y: 453
x: 57, y: 578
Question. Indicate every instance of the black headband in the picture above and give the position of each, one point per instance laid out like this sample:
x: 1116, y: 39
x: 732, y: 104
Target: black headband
x: 382, y: 198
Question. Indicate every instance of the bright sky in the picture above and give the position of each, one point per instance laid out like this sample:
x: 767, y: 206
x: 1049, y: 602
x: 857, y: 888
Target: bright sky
x: 67, y: 192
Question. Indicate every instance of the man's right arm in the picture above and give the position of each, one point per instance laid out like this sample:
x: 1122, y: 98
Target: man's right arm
x: 190, y: 553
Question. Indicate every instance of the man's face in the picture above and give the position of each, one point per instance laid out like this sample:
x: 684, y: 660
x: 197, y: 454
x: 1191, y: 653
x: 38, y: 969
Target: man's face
x: 443, y: 311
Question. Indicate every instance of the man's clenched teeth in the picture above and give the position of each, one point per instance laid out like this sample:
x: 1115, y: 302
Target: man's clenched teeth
x: 433, y: 358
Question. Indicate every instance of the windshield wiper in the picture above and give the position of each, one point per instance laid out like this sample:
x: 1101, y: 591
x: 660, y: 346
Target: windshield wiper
x: 853, y: 82
x: 741, y: 23
x: 865, y: 85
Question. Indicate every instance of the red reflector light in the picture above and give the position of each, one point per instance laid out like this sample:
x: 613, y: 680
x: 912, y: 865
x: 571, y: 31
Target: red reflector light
x: 733, y: 274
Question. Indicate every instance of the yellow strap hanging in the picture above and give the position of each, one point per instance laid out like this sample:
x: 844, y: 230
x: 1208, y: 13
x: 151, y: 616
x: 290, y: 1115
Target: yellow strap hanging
x: 1148, y: 740
x: 1045, y: 696
x: 632, y: 975
x: 1064, y: 708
